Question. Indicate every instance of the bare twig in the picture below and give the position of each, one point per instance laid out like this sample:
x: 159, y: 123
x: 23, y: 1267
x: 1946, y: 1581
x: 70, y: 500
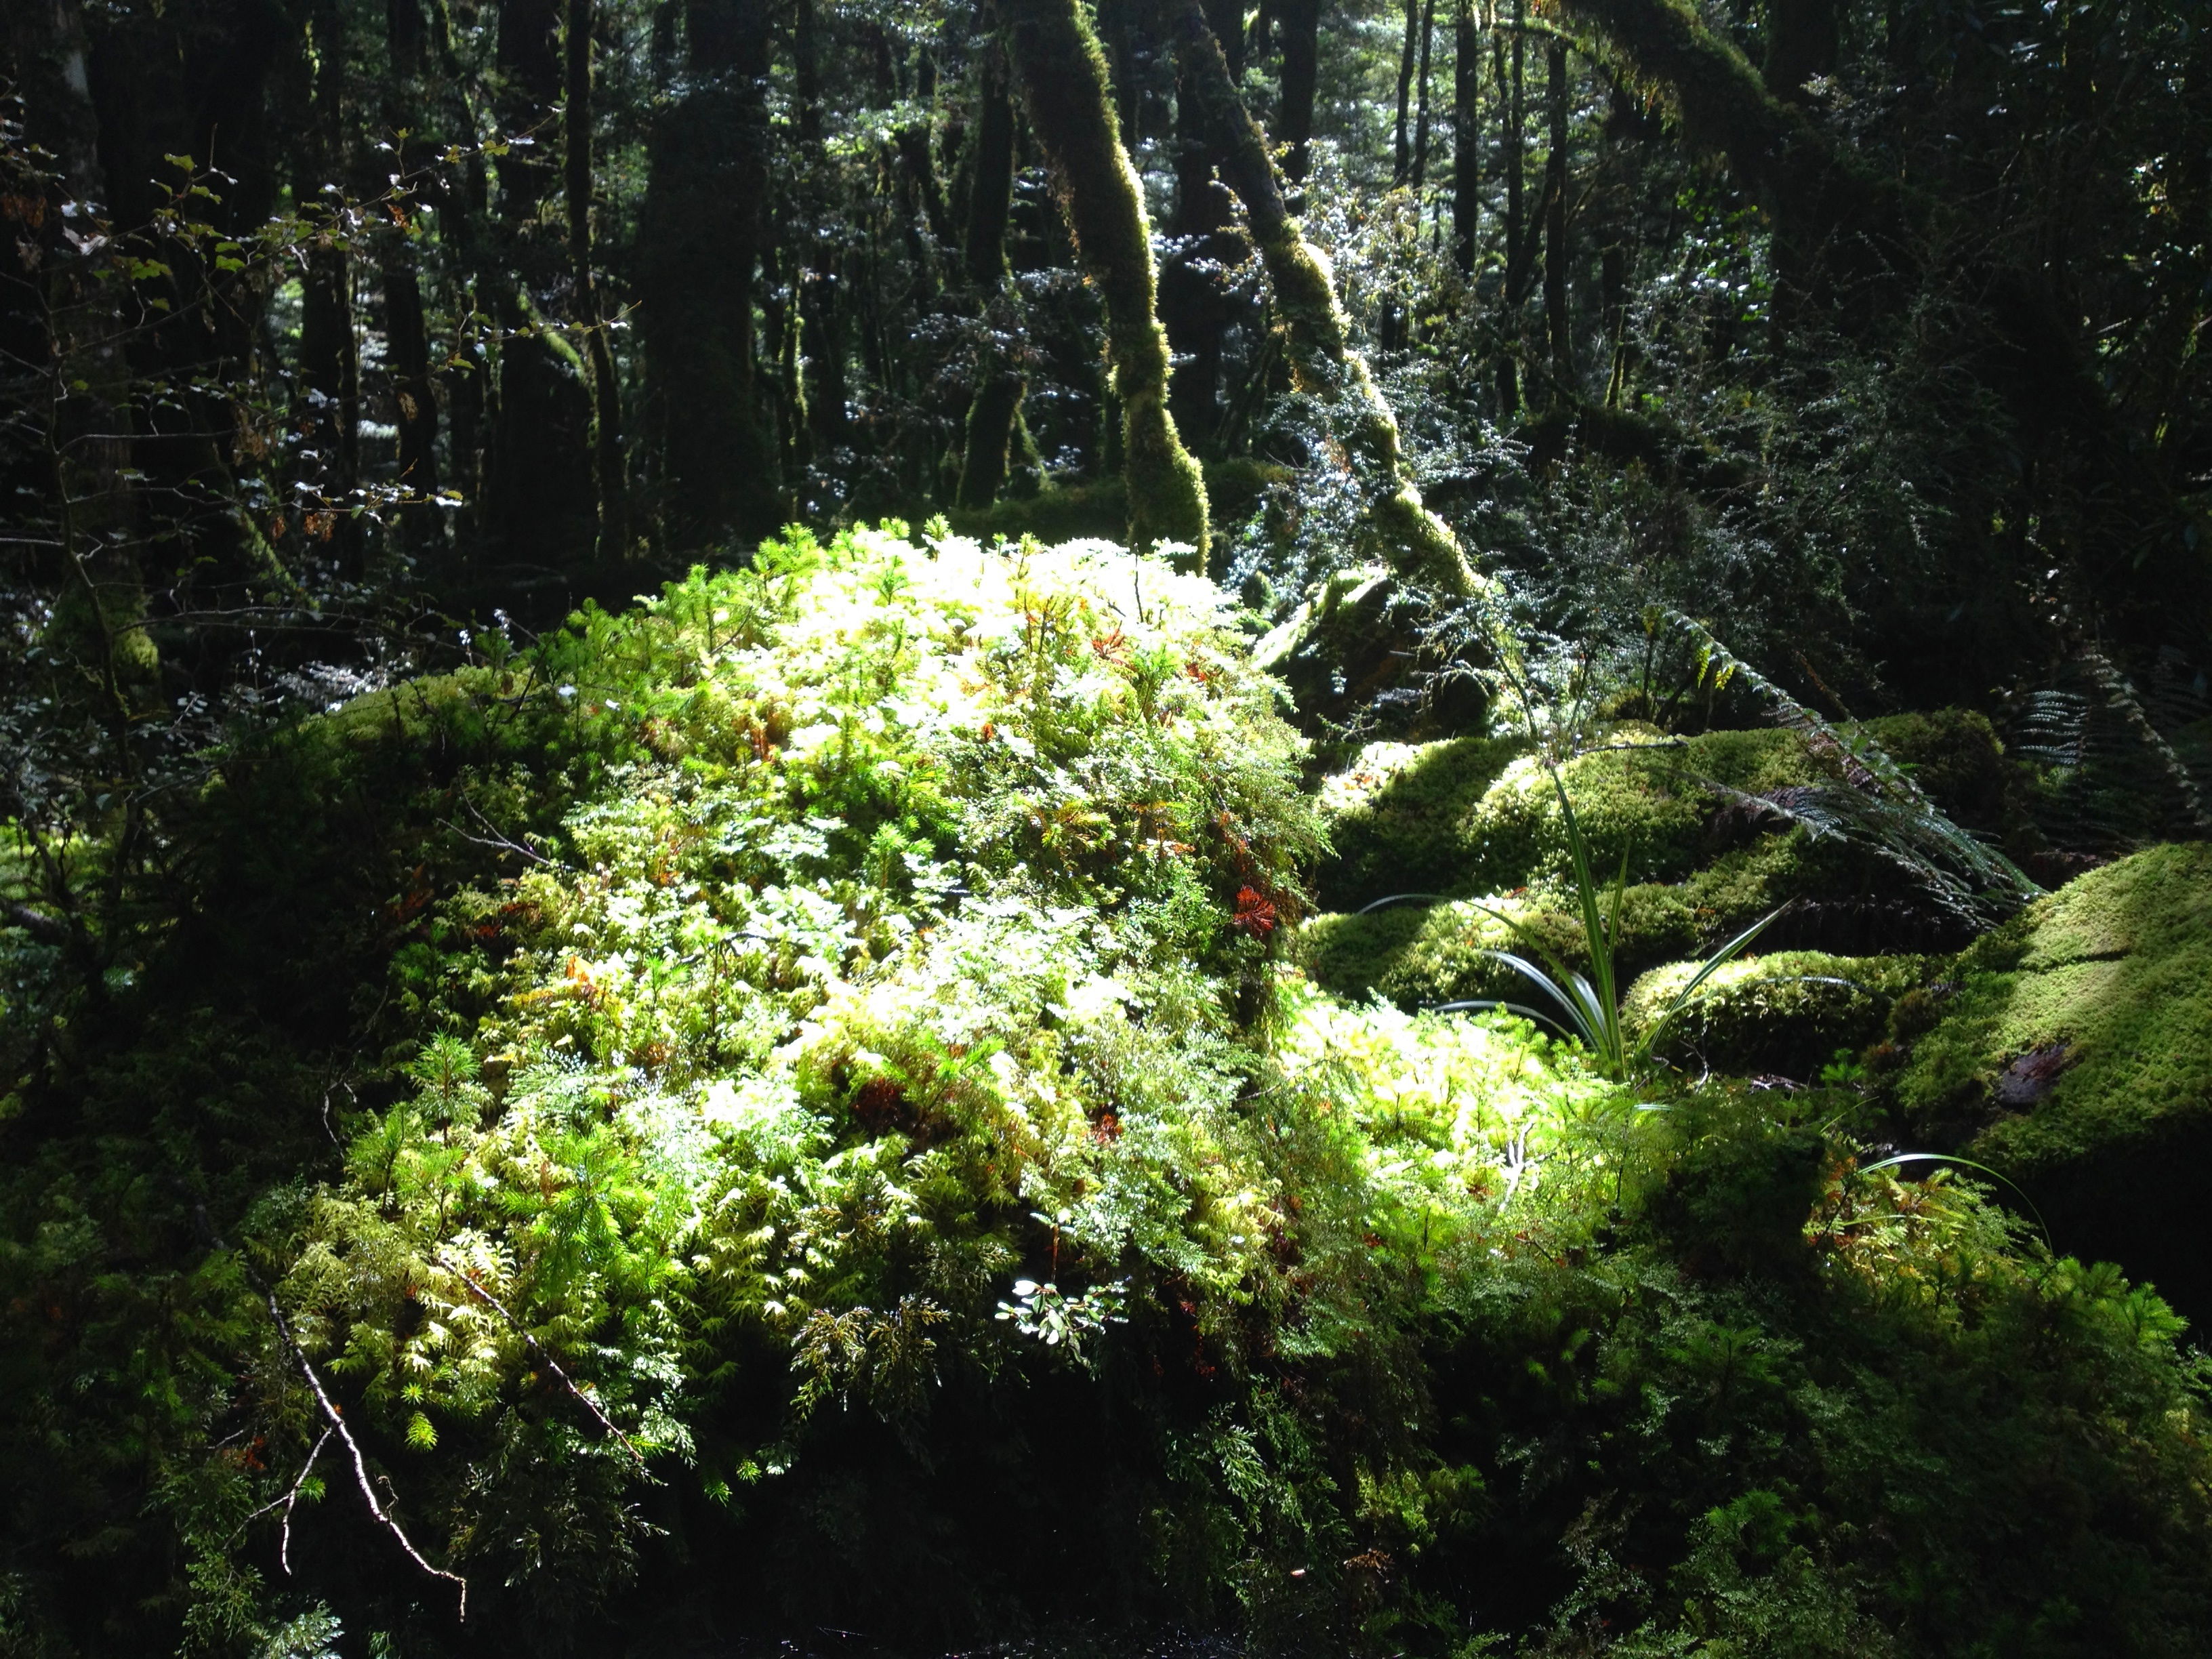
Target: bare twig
x: 497, y: 840
x: 546, y: 1359
x: 284, y: 1543
x: 359, y: 1463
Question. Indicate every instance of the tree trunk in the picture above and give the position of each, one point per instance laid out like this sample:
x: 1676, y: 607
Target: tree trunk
x: 999, y: 386
x: 612, y: 486
x: 329, y: 351
x: 1513, y: 113
x: 1801, y: 42
x: 541, y: 505
x: 1063, y: 74
x: 1298, y: 22
x: 1402, y: 148
x: 1193, y: 302
x: 1467, y: 141
x: 1557, y: 320
x: 414, y: 398
x: 820, y: 280
x: 1421, y: 172
x: 1396, y: 525
x: 71, y: 327
x: 704, y: 220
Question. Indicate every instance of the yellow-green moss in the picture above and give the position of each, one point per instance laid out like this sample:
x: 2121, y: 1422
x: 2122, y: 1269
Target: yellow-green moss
x: 2109, y: 982
x: 1954, y: 755
x: 1419, y: 957
x: 1474, y: 814
x: 1788, y: 1012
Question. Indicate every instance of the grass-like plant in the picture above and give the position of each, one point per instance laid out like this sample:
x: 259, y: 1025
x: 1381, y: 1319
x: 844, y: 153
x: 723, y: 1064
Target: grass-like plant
x: 1592, y: 1001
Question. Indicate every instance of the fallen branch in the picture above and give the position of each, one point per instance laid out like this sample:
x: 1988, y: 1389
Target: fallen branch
x: 285, y: 1542
x: 547, y: 1359
x: 359, y: 1463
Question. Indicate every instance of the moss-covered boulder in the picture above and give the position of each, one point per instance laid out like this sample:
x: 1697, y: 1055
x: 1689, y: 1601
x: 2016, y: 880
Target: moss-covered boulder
x: 1711, y: 817
x: 1788, y: 1012
x: 2076, y: 1054
x: 1420, y: 956
x: 1478, y: 815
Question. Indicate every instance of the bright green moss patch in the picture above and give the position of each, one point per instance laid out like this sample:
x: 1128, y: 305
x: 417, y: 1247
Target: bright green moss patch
x: 1786, y: 1012
x: 2084, y: 1023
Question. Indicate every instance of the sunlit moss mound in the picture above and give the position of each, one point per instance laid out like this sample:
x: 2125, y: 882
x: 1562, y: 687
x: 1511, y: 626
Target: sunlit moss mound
x: 911, y: 954
x: 1423, y: 955
x: 2074, y: 1049
x: 2088, y: 1018
x: 1786, y: 1012
x: 1441, y: 833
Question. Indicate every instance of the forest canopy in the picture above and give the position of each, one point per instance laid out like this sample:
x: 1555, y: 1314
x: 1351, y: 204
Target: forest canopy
x: 1105, y: 826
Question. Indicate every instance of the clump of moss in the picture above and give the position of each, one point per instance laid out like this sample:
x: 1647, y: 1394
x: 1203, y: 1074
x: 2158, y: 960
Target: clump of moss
x: 1420, y: 956
x: 1787, y: 1011
x: 2072, y: 1048
x: 2112, y: 978
x: 1955, y: 755
x: 1467, y: 816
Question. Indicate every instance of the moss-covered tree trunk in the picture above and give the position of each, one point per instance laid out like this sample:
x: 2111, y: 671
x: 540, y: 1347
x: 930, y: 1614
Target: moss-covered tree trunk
x: 1396, y: 526
x: 1062, y: 69
x: 999, y: 386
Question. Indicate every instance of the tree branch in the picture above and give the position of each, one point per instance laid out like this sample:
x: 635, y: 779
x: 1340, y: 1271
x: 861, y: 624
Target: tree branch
x: 359, y: 1463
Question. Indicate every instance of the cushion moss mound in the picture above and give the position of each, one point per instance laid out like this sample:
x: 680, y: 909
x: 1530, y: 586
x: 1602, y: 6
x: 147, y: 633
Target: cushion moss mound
x: 2076, y: 1055
x: 1786, y: 1012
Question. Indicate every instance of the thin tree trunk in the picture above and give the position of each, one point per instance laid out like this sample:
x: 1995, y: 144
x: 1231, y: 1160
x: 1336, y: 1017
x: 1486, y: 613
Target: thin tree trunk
x: 1420, y: 171
x: 1467, y: 135
x: 820, y: 281
x: 608, y: 462
x: 330, y: 350
x: 1558, y: 322
x: 1402, y: 149
x: 1513, y: 112
x: 1063, y: 74
x: 1193, y: 303
x: 1298, y: 21
x: 1395, y: 524
x: 414, y: 397
x: 999, y: 386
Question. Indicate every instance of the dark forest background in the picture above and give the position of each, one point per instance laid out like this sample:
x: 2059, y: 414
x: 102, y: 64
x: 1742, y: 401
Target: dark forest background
x: 1868, y: 334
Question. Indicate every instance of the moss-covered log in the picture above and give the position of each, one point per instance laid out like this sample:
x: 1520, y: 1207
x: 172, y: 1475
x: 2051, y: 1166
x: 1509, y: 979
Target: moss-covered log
x: 1397, y: 526
x: 1062, y: 70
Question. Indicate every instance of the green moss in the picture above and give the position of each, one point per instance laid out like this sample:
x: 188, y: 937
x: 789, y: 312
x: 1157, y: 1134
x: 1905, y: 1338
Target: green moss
x: 1954, y: 755
x: 1420, y: 957
x: 1066, y: 85
x: 1475, y: 814
x: 2111, y: 979
x: 1786, y: 1012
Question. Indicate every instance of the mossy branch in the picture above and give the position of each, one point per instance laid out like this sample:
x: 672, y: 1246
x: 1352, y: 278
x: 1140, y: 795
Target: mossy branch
x: 1062, y: 69
x: 1397, y: 526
